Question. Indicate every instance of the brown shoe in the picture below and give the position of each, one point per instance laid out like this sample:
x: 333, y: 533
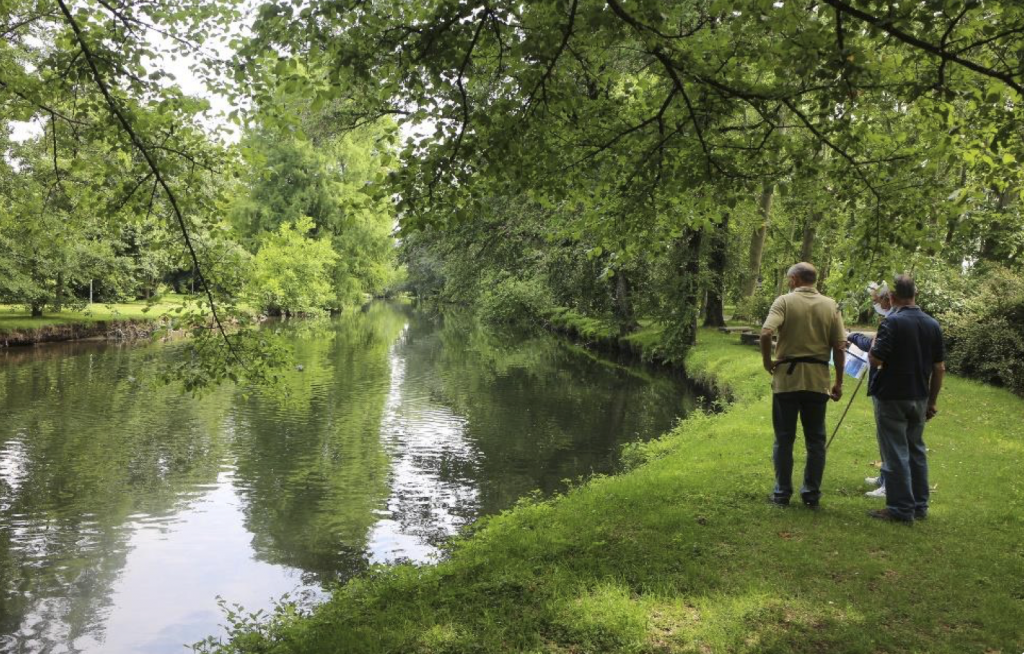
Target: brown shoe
x: 888, y: 516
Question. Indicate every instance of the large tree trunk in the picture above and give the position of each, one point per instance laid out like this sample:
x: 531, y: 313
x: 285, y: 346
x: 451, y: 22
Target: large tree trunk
x: 624, y: 316
x: 757, y: 239
x: 37, y: 310
x: 680, y: 309
x: 714, y: 309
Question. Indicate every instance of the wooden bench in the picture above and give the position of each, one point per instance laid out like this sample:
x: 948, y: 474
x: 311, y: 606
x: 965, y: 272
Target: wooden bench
x: 733, y: 330
x: 752, y: 338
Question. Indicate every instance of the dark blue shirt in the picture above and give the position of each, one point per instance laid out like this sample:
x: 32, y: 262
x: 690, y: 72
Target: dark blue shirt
x: 908, y: 344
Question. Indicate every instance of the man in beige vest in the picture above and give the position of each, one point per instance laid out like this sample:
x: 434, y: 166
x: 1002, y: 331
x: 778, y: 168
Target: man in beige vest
x: 809, y: 328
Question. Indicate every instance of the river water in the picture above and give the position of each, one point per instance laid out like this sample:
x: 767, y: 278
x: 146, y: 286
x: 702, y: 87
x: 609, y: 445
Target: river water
x: 127, y: 508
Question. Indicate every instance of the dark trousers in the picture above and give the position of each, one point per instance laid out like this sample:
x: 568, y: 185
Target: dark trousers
x: 810, y: 407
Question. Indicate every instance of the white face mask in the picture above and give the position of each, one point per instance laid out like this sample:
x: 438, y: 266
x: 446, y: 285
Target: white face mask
x: 880, y: 311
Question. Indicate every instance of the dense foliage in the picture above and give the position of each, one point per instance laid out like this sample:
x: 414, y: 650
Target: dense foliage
x: 291, y: 271
x: 626, y: 159
x: 117, y: 186
x: 637, y: 159
x: 985, y: 339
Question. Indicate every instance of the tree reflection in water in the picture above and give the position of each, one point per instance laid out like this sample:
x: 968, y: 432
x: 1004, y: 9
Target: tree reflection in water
x: 127, y: 507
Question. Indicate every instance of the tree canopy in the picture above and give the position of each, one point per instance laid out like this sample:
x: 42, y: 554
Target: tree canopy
x: 663, y: 157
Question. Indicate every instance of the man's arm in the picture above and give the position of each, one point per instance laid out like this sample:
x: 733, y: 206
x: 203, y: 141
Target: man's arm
x: 861, y: 340
x: 838, y: 337
x: 766, y: 350
x: 839, y: 359
x: 776, y: 317
x: 938, y: 374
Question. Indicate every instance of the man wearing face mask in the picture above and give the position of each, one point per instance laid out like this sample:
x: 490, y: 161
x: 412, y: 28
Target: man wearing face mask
x: 882, y: 303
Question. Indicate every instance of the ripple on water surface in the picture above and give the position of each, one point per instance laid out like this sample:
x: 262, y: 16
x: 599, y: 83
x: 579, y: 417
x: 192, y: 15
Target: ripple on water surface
x: 127, y: 508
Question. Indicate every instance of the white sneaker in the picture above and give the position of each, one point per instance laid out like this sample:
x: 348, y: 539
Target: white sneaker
x: 872, y: 481
x: 878, y: 492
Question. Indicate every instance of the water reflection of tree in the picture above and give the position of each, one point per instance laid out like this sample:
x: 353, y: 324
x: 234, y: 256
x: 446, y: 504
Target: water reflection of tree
x: 486, y: 416
x: 310, y: 465
x: 88, y: 441
x: 540, y: 411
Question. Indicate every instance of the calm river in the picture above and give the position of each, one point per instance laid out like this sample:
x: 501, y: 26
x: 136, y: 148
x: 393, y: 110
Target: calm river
x: 127, y: 508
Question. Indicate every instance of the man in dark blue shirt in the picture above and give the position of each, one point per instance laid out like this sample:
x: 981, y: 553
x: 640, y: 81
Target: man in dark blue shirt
x: 910, y: 357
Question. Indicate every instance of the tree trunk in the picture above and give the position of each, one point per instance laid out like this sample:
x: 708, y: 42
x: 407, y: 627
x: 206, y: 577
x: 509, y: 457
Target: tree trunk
x: 680, y: 309
x: 624, y: 316
x: 954, y: 223
x: 37, y: 310
x: 807, y: 245
x: 58, y: 298
x: 757, y: 239
x: 783, y: 280
x: 714, y: 309
x: 693, y: 283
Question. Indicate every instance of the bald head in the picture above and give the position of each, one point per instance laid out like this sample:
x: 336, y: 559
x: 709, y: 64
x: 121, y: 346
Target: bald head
x: 802, y: 274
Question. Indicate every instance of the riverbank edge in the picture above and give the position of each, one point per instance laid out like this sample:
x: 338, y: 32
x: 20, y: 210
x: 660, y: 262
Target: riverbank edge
x: 127, y: 329
x: 66, y: 328
x: 600, y: 334
x: 288, y: 630
x: 680, y: 553
x: 644, y: 345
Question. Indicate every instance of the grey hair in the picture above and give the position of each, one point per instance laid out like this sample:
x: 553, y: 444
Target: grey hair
x: 803, y: 271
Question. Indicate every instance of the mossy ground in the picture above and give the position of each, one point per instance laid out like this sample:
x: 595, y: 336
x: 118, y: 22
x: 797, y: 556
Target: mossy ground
x: 682, y: 554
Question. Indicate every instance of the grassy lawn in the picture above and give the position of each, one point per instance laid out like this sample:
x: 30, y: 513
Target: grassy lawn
x: 682, y: 554
x: 15, y: 317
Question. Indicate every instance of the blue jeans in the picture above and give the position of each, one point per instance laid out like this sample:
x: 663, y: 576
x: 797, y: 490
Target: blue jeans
x: 900, y: 425
x: 810, y: 407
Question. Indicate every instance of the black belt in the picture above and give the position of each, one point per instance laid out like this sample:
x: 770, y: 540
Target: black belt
x: 795, y: 360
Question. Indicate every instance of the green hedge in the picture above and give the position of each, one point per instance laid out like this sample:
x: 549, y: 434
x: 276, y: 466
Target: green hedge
x: 985, y: 339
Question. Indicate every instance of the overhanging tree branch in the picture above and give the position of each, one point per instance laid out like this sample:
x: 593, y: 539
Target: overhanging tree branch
x: 930, y: 48
x: 670, y: 69
x: 464, y: 102
x: 39, y: 105
x: 818, y: 134
x: 566, y: 34
x: 151, y: 162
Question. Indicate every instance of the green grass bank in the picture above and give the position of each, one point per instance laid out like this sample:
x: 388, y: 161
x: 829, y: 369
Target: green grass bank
x: 682, y: 554
x: 17, y: 327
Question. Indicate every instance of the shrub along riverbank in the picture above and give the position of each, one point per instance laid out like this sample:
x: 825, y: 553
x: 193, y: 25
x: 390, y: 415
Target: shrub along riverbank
x: 682, y: 554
